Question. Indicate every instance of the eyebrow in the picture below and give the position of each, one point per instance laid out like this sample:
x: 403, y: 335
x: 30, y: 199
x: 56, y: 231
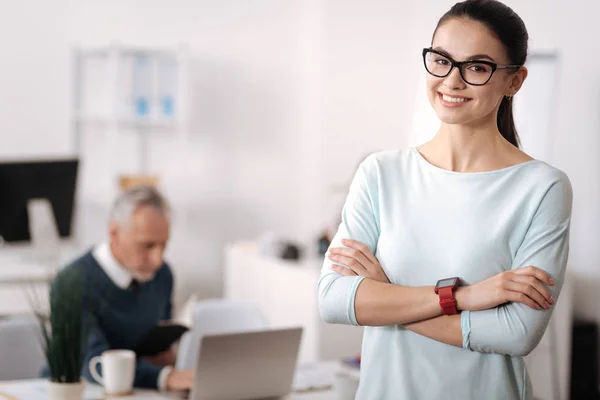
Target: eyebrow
x: 473, y: 57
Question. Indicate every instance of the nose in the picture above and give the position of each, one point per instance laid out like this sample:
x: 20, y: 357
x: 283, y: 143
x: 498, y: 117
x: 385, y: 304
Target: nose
x: 454, y: 80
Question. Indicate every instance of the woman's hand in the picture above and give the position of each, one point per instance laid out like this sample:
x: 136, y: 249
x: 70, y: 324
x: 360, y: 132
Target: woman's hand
x: 359, y: 260
x: 522, y: 285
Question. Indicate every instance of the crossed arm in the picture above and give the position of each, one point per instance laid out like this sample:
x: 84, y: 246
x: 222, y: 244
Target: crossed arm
x: 506, y: 314
x: 377, y: 302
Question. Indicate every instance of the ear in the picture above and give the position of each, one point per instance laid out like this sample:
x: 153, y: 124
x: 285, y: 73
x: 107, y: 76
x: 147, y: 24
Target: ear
x: 516, y: 81
x: 113, y: 230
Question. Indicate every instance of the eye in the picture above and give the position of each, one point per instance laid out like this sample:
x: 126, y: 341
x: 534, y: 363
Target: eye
x: 441, y: 61
x: 479, y: 68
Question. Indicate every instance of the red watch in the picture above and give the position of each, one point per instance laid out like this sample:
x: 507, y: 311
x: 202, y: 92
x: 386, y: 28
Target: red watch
x: 445, y: 289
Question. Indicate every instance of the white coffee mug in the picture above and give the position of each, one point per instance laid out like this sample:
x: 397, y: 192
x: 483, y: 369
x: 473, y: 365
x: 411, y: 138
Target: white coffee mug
x: 118, y: 371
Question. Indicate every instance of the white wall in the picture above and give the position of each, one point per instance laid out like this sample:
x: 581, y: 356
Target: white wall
x: 34, y: 78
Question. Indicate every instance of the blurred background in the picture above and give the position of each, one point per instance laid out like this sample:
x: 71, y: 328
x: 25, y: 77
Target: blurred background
x: 252, y: 116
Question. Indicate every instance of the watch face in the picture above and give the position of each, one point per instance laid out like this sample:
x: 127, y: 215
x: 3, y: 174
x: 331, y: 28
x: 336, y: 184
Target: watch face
x: 446, y: 283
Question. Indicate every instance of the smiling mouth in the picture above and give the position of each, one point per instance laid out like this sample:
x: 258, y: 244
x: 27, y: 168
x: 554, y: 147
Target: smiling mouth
x: 453, y: 99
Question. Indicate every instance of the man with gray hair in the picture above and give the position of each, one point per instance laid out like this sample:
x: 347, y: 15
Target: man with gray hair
x: 130, y: 286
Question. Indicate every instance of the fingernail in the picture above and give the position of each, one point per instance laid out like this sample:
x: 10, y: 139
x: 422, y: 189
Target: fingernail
x: 547, y: 305
x: 552, y: 300
x: 551, y: 281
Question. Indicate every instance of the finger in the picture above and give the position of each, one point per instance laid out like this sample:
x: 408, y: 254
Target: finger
x: 349, y: 262
x: 528, y: 291
x: 342, y: 270
x: 351, y: 253
x: 538, y: 273
x: 536, y: 284
x: 518, y: 297
x: 363, y: 248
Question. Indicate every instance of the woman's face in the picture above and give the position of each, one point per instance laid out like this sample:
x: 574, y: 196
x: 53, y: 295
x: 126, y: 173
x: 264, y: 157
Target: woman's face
x: 462, y: 39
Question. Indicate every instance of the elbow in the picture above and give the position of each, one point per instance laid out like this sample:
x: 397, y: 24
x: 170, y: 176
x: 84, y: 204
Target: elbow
x: 328, y: 309
x: 332, y: 312
x: 524, y: 345
x: 336, y: 302
x: 521, y: 350
x: 328, y: 315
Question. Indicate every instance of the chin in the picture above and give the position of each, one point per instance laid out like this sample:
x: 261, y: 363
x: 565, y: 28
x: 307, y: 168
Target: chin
x: 452, y: 119
x: 144, y: 277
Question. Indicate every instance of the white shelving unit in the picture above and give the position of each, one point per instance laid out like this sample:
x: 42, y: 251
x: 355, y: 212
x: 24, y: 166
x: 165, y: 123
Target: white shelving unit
x: 122, y: 96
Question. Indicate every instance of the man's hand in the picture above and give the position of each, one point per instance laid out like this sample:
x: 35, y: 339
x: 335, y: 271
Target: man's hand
x: 166, y: 358
x: 359, y: 259
x: 182, y: 379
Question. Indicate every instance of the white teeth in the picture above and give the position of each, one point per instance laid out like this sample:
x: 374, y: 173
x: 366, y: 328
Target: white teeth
x: 454, y: 99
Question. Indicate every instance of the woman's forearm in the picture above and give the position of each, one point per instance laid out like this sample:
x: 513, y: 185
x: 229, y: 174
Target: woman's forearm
x: 416, y: 308
x: 381, y: 304
x: 445, y: 329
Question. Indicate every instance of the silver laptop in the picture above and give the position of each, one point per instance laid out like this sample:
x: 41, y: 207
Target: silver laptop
x: 249, y: 365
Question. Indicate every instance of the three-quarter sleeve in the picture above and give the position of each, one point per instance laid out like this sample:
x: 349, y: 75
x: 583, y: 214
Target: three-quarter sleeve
x: 514, y: 328
x: 360, y: 223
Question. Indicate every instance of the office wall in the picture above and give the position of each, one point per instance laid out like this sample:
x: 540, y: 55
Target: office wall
x: 245, y: 162
x: 34, y: 79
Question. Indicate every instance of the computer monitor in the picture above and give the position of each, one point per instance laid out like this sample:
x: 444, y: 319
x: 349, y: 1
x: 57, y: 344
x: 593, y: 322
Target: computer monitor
x: 21, y: 181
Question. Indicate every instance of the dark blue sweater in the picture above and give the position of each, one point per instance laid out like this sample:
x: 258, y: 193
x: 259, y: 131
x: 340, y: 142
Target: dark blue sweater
x: 122, y: 317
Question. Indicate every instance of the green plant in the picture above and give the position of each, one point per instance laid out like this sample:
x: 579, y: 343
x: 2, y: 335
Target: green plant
x: 64, y: 332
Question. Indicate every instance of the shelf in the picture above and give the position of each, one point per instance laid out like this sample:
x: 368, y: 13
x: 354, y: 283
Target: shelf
x: 162, y: 123
x: 108, y: 51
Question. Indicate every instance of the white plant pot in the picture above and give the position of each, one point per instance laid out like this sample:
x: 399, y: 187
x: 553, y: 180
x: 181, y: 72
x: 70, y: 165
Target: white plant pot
x: 65, y: 391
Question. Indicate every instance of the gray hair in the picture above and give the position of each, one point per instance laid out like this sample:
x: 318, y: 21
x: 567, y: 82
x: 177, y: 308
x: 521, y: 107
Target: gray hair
x: 133, y: 198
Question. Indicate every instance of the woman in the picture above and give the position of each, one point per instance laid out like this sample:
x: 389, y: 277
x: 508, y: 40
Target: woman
x: 467, y: 204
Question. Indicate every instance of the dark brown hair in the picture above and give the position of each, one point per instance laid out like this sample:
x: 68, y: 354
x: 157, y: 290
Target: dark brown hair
x: 510, y: 30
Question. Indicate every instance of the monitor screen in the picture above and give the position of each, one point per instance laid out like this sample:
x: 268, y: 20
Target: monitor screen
x: 21, y: 181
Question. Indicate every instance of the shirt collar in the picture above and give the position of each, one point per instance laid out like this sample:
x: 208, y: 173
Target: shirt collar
x: 115, y: 271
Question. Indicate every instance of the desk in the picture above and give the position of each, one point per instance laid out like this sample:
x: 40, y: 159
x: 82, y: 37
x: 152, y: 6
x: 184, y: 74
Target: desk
x: 18, y: 282
x: 35, y: 389
x: 26, y: 270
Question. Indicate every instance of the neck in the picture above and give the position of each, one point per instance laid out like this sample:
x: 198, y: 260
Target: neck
x: 115, y: 254
x: 465, y: 148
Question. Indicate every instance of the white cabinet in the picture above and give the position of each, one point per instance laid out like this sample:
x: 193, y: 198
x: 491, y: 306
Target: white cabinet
x: 287, y: 292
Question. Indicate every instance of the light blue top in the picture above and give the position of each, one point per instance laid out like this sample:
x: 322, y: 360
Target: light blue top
x: 425, y: 223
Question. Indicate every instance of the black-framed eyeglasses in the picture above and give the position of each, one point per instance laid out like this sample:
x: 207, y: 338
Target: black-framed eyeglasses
x: 473, y: 72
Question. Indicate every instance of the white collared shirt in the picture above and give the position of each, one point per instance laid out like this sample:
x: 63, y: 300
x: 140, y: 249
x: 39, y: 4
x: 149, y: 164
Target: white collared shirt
x: 115, y: 271
x: 122, y: 278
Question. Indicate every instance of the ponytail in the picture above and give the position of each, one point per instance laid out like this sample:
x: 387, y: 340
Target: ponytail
x: 506, y: 122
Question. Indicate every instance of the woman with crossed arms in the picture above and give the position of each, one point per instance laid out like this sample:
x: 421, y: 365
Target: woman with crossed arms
x: 452, y: 254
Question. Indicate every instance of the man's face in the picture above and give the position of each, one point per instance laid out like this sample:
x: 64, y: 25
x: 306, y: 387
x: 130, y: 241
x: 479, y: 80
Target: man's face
x: 140, y: 246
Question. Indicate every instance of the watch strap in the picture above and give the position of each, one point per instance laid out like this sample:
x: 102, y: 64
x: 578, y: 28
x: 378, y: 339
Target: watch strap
x: 447, y: 300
